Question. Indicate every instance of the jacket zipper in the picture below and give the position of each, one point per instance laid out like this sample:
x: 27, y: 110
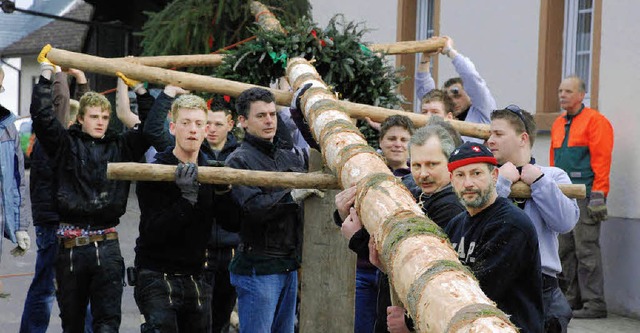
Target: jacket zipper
x: 197, y: 291
x: 168, y: 286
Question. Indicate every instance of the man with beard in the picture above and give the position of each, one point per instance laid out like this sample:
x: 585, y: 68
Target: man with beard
x: 495, y: 239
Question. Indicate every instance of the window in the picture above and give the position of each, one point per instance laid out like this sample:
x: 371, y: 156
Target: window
x: 424, y: 29
x: 578, y: 42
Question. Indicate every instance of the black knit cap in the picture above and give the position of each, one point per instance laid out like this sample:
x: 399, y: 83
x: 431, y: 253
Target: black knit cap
x: 469, y: 153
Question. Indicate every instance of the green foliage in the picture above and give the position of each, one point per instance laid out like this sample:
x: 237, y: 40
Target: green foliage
x: 203, y: 26
x: 341, y: 58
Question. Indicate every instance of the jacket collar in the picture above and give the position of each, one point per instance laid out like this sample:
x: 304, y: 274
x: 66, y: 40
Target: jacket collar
x: 76, y: 130
x: 266, y: 147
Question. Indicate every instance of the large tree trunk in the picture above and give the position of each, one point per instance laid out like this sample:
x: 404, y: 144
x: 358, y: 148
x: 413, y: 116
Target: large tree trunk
x: 196, y: 82
x: 423, y: 269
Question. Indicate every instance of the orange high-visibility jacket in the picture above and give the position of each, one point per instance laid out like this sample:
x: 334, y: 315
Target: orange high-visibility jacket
x: 582, y: 145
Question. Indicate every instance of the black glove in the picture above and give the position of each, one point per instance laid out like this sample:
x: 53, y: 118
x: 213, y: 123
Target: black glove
x: 297, y: 95
x: 219, y: 188
x: 187, y: 181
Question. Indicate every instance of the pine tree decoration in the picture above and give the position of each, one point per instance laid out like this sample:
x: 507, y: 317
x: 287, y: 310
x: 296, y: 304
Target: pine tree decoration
x: 341, y: 58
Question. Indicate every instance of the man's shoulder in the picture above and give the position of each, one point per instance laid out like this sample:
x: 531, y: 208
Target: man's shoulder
x: 508, y: 214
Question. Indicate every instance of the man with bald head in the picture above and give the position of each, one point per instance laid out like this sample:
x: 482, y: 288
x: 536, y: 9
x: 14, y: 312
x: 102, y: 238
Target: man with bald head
x: 581, y: 145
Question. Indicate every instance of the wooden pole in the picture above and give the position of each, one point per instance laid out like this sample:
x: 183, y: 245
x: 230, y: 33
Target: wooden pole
x: 326, y: 261
x: 213, y: 60
x: 218, y: 175
x: 265, y: 17
x: 409, y: 47
x: 161, y: 76
x: 178, y: 61
x: 222, y: 175
x: 105, y: 66
x: 422, y: 266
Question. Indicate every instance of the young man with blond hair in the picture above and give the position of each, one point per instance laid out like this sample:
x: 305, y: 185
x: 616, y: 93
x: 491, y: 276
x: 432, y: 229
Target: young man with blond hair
x: 175, y: 224
x: 89, y: 264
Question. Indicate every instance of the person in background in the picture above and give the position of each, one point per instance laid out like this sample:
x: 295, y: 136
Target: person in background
x: 470, y: 94
x: 581, y: 145
x: 14, y: 217
x: 513, y: 132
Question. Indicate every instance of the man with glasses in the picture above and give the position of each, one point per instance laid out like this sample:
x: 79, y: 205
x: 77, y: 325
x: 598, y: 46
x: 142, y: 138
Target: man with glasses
x: 513, y: 132
x: 471, y: 97
x: 581, y: 145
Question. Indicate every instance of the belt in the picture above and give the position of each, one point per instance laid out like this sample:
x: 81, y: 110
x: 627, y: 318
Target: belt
x: 86, y: 240
x: 549, y: 282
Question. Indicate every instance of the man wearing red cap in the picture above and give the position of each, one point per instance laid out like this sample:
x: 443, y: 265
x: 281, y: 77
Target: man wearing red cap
x: 495, y: 238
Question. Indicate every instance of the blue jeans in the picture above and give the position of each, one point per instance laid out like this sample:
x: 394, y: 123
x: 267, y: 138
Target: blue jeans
x: 41, y: 294
x: 266, y: 303
x: 366, y: 299
x: 173, y: 303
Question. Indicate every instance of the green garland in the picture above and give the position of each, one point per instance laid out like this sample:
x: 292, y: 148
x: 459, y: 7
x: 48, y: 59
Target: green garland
x: 341, y: 58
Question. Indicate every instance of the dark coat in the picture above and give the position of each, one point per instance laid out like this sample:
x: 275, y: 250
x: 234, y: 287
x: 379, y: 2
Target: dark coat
x: 84, y: 196
x: 174, y: 233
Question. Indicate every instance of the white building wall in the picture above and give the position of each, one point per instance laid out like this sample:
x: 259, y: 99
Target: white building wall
x: 618, y: 95
x: 501, y: 38
x: 30, y: 72
x: 380, y: 16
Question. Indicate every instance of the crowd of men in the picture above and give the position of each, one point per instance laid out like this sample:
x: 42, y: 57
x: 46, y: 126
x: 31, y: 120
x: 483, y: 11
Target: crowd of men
x: 201, y: 247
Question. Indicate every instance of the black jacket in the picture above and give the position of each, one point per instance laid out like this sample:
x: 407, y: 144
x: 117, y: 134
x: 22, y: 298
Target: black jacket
x: 500, y: 246
x: 42, y: 189
x: 84, y: 196
x: 173, y: 233
x: 270, y: 220
x: 221, y: 238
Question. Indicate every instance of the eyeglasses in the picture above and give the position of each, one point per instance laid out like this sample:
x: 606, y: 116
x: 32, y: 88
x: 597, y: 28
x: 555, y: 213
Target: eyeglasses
x: 518, y: 112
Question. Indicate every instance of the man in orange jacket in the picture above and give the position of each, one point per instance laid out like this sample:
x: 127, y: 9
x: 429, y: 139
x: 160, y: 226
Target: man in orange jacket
x: 581, y: 144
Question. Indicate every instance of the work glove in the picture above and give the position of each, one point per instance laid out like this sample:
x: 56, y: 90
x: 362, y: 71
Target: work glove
x: 187, y: 181
x: 299, y: 194
x: 131, y: 83
x: 45, y: 63
x: 597, y: 206
x: 24, y: 243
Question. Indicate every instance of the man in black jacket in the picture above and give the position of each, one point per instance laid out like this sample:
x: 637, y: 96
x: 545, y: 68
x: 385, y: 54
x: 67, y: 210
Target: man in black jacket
x: 219, y: 144
x: 89, y: 265
x: 175, y: 224
x: 495, y: 238
x: 264, y: 270
x: 222, y: 242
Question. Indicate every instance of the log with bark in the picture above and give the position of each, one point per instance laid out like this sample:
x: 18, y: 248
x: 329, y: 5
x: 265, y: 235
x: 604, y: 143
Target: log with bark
x: 105, y: 66
x: 441, y: 295
x: 319, y: 180
x: 222, y: 175
x: 265, y: 17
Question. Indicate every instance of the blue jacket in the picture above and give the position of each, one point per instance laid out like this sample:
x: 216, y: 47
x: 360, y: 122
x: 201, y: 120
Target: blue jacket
x: 14, y: 187
x: 551, y: 212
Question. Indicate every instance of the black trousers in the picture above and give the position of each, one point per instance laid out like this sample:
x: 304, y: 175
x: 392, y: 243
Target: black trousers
x: 224, y: 294
x: 94, y: 272
x: 173, y: 303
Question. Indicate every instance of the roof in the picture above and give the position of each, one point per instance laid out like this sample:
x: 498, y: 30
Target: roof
x: 33, y: 32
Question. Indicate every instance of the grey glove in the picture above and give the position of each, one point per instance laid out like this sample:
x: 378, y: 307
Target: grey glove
x: 597, y: 206
x: 300, y: 194
x: 187, y: 181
